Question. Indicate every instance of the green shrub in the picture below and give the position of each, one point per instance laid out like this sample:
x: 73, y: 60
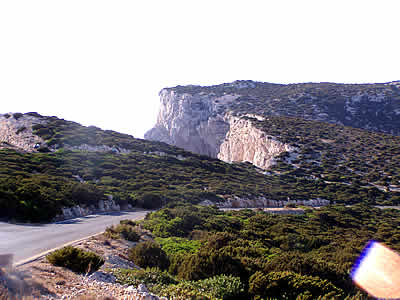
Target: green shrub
x: 148, y: 276
x: 210, y: 262
x: 128, y: 222
x: 150, y: 200
x: 149, y: 254
x: 76, y: 259
x: 123, y: 230
x: 84, y: 193
x: 176, y: 245
x: 290, y: 285
x: 222, y: 286
x: 217, y: 287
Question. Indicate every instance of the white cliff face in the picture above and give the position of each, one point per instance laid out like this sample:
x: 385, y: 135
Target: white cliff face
x: 17, y: 131
x: 245, y: 142
x: 200, y: 123
x: 80, y: 211
x: 245, y: 202
x: 193, y: 122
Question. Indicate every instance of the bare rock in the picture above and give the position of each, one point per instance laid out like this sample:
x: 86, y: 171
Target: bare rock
x: 102, y: 277
x: 142, y: 288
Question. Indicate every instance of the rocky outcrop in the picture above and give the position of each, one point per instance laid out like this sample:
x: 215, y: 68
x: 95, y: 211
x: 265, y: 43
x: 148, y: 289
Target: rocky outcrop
x: 97, y: 148
x: 193, y: 122
x: 199, y: 119
x: 245, y: 142
x: 252, y: 202
x: 199, y: 123
x: 80, y: 211
x: 16, y: 131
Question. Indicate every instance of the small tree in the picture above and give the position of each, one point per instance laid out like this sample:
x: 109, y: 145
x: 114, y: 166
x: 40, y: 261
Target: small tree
x: 76, y: 259
x: 149, y: 254
x: 151, y: 200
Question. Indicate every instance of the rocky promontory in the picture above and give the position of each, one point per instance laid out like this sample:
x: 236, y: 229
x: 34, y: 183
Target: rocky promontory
x: 211, y: 120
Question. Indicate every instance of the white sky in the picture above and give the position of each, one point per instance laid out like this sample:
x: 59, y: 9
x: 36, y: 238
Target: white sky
x: 103, y: 63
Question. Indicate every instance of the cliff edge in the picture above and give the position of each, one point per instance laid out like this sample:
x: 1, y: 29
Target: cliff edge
x: 213, y: 120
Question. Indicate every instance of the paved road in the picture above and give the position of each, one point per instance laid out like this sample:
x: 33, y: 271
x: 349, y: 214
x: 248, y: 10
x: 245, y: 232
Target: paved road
x: 26, y: 241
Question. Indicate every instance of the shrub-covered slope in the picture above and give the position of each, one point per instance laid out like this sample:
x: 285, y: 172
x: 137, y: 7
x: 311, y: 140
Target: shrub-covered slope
x: 275, y: 256
x: 335, y: 153
x: 82, y: 165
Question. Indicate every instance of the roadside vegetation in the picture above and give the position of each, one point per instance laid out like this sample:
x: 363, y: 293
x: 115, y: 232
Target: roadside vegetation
x: 125, y: 230
x: 253, y: 254
x: 76, y: 259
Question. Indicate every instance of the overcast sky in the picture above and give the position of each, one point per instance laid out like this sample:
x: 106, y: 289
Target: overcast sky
x: 103, y: 63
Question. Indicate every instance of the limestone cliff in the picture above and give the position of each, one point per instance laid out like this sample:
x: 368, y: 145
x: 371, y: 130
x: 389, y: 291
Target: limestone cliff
x: 211, y: 120
x: 193, y: 122
x: 244, y: 142
x: 16, y: 131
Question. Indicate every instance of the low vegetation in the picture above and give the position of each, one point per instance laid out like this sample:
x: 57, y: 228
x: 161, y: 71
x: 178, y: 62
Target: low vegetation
x: 76, y: 259
x: 149, y: 255
x: 262, y: 255
x: 336, y: 153
x: 125, y: 230
x: 163, y: 284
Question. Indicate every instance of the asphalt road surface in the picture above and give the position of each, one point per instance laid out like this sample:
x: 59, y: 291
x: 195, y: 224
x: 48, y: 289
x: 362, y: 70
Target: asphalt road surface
x: 26, y: 241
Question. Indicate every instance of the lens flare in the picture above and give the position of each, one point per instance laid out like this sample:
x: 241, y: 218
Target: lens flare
x: 377, y: 271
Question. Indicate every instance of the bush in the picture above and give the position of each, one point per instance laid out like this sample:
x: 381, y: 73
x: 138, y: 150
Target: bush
x: 84, y: 193
x: 76, y: 259
x: 176, y: 245
x: 149, y: 254
x: 290, y: 285
x: 148, y: 276
x: 210, y: 262
x: 217, y: 287
x: 128, y: 222
x: 150, y: 200
x: 123, y: 230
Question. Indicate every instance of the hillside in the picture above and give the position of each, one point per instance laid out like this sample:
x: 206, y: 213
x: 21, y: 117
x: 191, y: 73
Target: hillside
x: 199, y: 118
x: 342, y: 135
x: 334, y: 153
x: 86, y: 166
x: 275, y: 256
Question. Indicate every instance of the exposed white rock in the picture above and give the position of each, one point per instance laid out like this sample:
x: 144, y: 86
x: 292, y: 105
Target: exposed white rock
x: 102, y: 277
x: 142, y: 288
x: 17, y: 131
x: 193, y: 122
x: 243, y: 202
x: 80, y: 211
x: 245, y: 142
x: 97, y: 148
x: 198, y: 123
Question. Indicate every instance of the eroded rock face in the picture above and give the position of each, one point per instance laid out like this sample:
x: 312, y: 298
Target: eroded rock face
x: 193, y: 122
x: 244, y: 142
x: 16, y: 131
x: 252, y: 202
x: 201, y: 123
x: 197, y: 118
x: 80, y: 211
